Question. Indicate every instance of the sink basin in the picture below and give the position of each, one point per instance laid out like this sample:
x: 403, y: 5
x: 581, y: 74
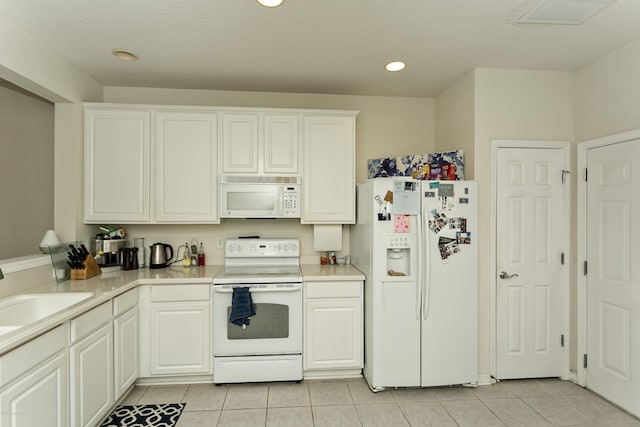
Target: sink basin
x: 21, y: 310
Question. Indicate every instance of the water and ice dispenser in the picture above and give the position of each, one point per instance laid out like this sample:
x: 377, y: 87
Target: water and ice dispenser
x: 398, y: 259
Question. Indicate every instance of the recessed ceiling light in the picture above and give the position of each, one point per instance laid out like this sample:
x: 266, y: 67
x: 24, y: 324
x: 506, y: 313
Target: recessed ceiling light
x: 270, y: 3
x: 395, y: 66
x: 124, y: 55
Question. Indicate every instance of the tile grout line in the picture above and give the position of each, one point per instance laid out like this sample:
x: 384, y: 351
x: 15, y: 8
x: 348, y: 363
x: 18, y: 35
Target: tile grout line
x: 536, y: 411
x: 494, y: 413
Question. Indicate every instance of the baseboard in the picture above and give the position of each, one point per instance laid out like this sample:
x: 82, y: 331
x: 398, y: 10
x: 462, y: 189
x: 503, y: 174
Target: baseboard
x: 332, y: 374
x: 193, y: 379
x: 484, y: 379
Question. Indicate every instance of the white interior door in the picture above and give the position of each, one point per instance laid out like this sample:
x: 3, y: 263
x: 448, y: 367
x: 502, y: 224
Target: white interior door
x: 613, y: 279
x: 529, y: 250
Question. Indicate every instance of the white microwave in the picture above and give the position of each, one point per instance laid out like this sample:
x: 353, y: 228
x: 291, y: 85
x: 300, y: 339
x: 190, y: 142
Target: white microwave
x: 259, y: 196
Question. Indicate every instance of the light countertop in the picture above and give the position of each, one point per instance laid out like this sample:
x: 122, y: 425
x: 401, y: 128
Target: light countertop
x: 317, y: 272
x: 104, y: 287
x: 108, y: 285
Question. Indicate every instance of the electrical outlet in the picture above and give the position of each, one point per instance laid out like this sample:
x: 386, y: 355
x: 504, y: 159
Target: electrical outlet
x: 220, y: 242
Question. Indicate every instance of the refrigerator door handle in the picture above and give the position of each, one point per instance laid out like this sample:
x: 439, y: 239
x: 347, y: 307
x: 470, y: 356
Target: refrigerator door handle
x: 419, y: 278
x: 425, y: 284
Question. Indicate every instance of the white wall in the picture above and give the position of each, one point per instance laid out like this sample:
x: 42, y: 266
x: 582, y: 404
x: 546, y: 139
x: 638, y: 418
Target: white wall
x: 455, y: 120
x: 512, y: 104
x: 608, y: 94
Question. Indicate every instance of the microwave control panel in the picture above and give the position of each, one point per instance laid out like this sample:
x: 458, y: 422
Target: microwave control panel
x: 291, y: 201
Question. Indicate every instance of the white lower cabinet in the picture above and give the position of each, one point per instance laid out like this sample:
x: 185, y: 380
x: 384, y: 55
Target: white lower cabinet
x: 175, y: 330
x: 125, y: 342
x: 91, y: 366
x: 333, y: 325
x: 35, y: 382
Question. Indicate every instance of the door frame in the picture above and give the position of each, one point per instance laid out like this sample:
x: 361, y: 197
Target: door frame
x: 581, y: 279
x: 565, y: 148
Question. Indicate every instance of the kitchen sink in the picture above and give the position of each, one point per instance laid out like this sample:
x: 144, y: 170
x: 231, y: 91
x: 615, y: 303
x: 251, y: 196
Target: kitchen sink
x: 20, y: 310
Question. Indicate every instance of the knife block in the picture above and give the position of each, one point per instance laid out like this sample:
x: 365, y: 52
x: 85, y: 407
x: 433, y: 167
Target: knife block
x: 91, y: 268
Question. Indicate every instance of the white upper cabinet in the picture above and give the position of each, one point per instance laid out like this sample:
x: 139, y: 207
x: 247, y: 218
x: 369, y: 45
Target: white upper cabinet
x: 329, y: 177
x: 186, y: 156
x: 260, y: 143
x: 116, y: 158
x: 147, y: 164
x: 240, y: 142
x: 160, y: 164
x: 281, y: 143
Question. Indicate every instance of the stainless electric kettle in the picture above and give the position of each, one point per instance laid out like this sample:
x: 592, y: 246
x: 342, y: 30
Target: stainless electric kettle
x: 159, y: 258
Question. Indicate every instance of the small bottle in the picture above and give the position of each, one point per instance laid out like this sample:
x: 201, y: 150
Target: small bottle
x: 201, y: 255
x: 186, y: 261
x: 194, y: 256
x: 332, y: 258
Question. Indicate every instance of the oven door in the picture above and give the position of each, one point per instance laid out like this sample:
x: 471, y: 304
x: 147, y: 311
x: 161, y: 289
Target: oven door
x: 276, y: 327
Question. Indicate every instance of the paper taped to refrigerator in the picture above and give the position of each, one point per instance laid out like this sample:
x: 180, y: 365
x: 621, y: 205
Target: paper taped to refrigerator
x: 406, y: 198
x: 401, y: 224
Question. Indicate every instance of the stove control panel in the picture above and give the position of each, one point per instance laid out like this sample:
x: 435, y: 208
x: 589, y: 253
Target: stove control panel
x: 259, y: 248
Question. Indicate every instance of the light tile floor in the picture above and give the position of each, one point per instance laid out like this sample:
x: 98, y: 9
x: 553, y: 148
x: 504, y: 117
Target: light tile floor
x: 545, y: 402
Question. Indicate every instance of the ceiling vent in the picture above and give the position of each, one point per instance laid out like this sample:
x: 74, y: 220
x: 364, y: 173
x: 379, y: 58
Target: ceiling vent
x: 567, y: 12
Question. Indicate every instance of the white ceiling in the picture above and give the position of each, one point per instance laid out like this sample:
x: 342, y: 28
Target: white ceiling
x: 314, y: 46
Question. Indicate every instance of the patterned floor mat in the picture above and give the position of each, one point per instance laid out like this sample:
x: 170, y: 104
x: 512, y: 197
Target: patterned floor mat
x: 164, y: 415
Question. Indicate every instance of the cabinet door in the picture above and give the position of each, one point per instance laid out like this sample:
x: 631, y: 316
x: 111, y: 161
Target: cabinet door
x: 329, y: 170
x: 240, y: 143
x: 280, y: 154
x: 180, y: 338
x: 91, y: 361
x: 125, y: 363
x: 116, y: 165
x: 333, y: 334
x: 185, y: 163
x: 38, y: 398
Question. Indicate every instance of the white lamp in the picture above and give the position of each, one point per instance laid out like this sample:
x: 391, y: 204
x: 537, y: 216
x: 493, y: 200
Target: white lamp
x: 50, y: 238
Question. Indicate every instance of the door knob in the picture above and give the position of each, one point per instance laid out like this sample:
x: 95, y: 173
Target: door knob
x: 505, y: 275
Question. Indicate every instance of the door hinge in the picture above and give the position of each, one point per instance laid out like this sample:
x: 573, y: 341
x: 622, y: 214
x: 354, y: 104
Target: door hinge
x: 586, y: 175
x: 564, y: 174
x: 584, y: 268
x: 562, y: 258
x: 562, y: 340
x: 584, y: 361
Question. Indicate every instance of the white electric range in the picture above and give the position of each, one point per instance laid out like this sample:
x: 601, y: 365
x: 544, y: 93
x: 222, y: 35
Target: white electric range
x: 269, y: 347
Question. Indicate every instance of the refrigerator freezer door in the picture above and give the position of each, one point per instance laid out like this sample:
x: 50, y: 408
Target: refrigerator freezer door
x: 397, y: 337
x: 392, y: 308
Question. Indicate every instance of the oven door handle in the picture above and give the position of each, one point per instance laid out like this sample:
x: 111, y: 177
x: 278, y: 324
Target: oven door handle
x: 224, y: 289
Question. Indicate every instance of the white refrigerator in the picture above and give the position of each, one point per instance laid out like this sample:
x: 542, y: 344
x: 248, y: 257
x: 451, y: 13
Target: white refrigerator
x: 416, y: 243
